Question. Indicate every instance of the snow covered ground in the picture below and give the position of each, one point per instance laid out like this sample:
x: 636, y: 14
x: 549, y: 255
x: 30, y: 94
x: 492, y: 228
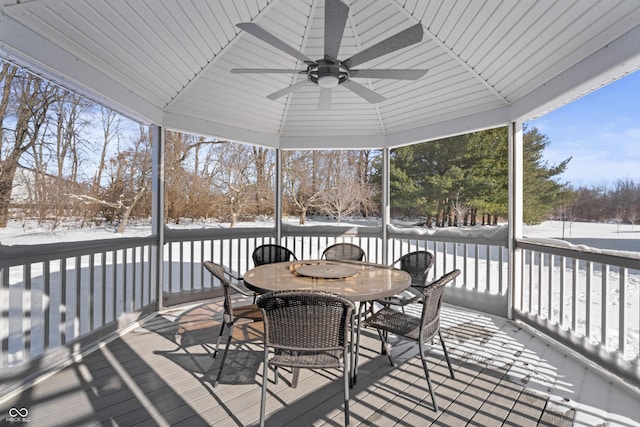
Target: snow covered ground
x: 624, y: 237
x: 603, y: 236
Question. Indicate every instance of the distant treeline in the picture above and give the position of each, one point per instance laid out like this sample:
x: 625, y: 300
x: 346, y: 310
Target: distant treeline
x: 65, y: 157
x: 619, y: 202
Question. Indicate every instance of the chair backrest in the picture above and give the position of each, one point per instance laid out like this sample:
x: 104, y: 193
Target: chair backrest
x: 417, y: 264
x: 305, y: 320
x: 433, y: 296
x: 218, y: 272
x: 344, y: 251
x: 270, y: 253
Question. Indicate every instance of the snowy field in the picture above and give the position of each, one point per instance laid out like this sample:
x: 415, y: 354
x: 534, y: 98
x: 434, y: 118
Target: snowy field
x: 622, y: 237
x: 603, y: 236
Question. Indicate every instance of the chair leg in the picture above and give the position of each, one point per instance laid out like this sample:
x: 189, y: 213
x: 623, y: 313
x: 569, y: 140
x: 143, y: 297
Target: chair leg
x: 446, y: 354
x: 265, y: 372
x: 224, y: 358
x: 385, y: 345
x: 347, y: 377
x: 215, y: 353
x: 354, y: 354
x: 426, y: 372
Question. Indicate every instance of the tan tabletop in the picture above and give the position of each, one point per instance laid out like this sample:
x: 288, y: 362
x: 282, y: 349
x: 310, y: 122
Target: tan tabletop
x: 358, y: 281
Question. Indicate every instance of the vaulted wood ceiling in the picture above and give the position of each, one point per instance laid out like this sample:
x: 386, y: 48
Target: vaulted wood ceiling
x: 168, y: 62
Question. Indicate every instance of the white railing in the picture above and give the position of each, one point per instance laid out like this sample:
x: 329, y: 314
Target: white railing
x: 308, y: 242
x: 588, y: 299
x: 56, y: 296
x: 186, y: 250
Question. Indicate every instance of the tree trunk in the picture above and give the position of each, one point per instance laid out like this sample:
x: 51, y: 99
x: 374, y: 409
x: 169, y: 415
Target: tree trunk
x: 127, y: 212
x: 8, y: 169
x: 303, y: 215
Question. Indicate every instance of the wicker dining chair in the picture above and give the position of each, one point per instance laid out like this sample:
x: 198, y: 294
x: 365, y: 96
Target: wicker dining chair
x: 423, y: 329
x: 306, y: 329
x: 345, y: 252
x: 270, y: 253
x: 417, y: 264
x: 247, y: 314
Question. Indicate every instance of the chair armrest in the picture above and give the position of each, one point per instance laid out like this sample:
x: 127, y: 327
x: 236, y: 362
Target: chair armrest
x: 422, y: 286
x: 230, y: 274
x: 245, y: 292
x: 238, y: 285
x: 399, y: 300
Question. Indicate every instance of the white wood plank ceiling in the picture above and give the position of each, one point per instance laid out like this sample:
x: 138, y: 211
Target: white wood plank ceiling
x: 168, y: 62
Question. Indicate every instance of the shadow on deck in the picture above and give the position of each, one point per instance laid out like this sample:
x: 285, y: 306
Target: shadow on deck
x: 162, y: 372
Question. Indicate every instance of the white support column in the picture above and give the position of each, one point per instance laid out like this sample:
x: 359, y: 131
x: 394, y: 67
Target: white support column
x: 516, y: 171
x: 386, y: 203
x: 277, y: 209
x: 157, y: 211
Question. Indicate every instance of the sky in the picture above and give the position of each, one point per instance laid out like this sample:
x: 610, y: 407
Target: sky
x: 600, y: 131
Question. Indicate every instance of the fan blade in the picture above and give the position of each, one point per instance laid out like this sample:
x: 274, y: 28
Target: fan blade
x: 335, y: 19
x: 404, y: 38
x: 388, y: 74
x: 363, y: 92
x: 286, y: 90
x: 265, y: 71
x: 324, y: 103
x: 267, y: 37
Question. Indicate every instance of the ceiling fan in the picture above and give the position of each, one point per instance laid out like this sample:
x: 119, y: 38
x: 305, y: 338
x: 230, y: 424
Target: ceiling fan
x: 329, y: 72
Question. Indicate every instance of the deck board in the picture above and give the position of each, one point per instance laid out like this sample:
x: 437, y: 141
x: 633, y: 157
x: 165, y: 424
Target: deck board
x: 162, y: 373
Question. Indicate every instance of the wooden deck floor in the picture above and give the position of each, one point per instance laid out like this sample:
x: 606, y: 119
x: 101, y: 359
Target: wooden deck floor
x: 161, y: 373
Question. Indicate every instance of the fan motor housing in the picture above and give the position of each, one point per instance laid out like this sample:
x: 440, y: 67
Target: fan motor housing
x: 324, y: 68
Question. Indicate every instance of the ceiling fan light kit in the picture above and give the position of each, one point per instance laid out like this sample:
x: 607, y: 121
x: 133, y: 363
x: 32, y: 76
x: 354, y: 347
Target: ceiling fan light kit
x: 328, y: 81
x: 329, y: 72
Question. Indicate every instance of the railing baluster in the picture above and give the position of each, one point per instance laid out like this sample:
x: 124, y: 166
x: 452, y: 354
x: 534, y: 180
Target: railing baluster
x: 4, y: 320
x: 563, y: 267
x: 531, y: 266
x: 604, y: 305
x: 46, y: 271
x: 488, y: 273
x: 574, y: 295
x: 550, y: 282
x: 192, y: 272
x: 540, y: 268
x: 103, y: 268
x: 25, y: 326
x: 63, y: 300
x: 589, y: 272
x: 622, y: 325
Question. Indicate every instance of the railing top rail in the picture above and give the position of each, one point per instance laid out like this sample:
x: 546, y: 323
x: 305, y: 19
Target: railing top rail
x: 177, y: 235
x: 497, y: 235
x: 330, y: 230
x: 24, y: 254
x: 560, y: 247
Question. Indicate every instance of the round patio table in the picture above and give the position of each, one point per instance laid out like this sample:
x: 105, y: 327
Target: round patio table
x: 357, y: 281
x: 354, y: 280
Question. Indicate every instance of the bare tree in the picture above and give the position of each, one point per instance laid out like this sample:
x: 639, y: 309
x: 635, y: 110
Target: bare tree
x: 28, y: 100
x: 110, y: 130
x: 344, y: 192
x: 264, y: 169
x: 231, y: 178
x: 460, y: 208
x: 129, y: 182
x: 298, y: 185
